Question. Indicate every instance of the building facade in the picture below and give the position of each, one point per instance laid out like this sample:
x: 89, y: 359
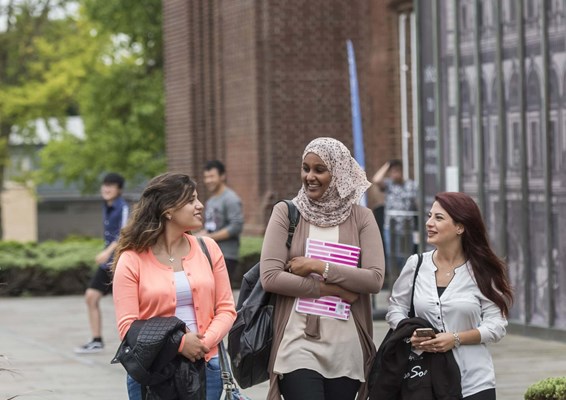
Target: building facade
x: 469, y: 93
x: 491, y: 89
x: 252, y: 82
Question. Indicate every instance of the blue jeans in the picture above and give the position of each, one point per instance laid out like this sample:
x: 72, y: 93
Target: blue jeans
x: 213, y: 382
x: 134, y: 389
x: 213, y: 379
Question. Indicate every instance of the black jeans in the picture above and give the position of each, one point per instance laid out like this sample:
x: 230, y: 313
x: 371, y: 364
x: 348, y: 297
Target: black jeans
x: 488, y: 394
x: 307, y: 384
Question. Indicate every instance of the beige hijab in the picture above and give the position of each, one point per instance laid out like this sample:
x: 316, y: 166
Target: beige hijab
x: 348, y: 184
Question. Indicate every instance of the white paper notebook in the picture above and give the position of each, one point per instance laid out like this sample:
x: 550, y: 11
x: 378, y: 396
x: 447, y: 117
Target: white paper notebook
x: 335, y: 253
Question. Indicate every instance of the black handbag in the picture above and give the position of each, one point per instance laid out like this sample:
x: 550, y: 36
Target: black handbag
x: 251, y: 336
x: 377, y: 360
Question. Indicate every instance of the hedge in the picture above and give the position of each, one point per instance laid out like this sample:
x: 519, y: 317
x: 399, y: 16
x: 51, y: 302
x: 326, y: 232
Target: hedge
x: 62, y: 268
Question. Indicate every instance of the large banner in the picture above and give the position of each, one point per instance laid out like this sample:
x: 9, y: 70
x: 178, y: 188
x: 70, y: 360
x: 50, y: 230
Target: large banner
x: 536, y: 270
x: 427, y: 77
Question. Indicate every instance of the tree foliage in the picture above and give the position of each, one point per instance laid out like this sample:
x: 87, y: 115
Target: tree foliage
x: 120, y: 100
x: 38, y: 55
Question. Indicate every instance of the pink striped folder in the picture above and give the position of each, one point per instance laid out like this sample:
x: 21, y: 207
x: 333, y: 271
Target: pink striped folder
x: 335, y: 253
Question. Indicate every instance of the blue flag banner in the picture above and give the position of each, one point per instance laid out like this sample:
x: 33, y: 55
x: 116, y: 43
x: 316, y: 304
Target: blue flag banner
x: 356, y: 114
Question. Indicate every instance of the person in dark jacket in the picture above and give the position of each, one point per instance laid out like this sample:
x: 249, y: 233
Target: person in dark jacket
x: 402, y: 373
x: 115, y: 217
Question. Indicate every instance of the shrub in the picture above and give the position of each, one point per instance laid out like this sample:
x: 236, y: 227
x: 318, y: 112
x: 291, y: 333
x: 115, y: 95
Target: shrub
x: 547, y: 389
x: 250, y: 251
x: 62, y: 268
x: 48, y: 268
x: 250, y: 246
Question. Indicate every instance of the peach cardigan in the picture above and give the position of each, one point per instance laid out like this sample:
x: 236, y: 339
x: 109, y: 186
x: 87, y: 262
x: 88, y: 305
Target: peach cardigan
x: 145, y: 288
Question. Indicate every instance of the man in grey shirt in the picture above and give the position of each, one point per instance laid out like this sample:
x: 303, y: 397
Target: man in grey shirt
x: 223, y: 214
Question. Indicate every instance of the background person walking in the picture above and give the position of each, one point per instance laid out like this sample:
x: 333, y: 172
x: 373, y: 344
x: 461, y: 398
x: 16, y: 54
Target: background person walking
x: 115, y: 216
x: 224, y: 220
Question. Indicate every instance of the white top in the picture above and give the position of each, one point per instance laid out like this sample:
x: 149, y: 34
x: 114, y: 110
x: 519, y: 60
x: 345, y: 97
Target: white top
x: 460, y: 308
x: 185, y: 310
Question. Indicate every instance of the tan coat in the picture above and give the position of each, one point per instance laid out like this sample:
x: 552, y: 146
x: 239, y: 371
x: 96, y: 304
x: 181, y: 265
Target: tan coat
x: 360, y: 229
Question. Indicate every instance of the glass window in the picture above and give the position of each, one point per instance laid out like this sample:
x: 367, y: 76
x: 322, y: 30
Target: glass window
x: 536, y: 156
x: 514, y: 88
x: 533, y: 89
x: 515, y: 145
x: 554, y: 87
x: 512, y: 10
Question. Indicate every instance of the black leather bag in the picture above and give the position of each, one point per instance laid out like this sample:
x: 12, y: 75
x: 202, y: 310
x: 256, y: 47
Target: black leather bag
x: 251, y: 336
x: 377, y: 360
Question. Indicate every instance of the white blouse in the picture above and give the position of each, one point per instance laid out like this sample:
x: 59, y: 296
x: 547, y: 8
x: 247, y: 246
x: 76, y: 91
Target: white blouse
x: 461, y: 307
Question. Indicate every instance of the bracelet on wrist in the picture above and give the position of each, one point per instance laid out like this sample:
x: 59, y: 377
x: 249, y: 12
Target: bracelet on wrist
x: 457, y: 341
x: 325, y: 273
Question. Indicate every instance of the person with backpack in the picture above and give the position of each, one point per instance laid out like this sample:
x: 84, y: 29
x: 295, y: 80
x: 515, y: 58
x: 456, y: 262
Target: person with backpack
x: 314, y: 356
x: 161, y: 271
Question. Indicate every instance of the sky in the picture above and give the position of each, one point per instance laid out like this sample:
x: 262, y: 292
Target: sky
x: 71, y: 7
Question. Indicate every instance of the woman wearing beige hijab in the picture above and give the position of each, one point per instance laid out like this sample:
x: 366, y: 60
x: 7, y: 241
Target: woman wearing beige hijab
x: 322, y: 357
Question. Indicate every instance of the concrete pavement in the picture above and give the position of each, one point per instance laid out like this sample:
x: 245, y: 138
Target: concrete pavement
x: 37, y: 337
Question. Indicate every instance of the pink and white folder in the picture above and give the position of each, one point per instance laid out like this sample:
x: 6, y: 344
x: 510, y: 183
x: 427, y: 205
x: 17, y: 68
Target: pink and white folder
x: 335, y: 253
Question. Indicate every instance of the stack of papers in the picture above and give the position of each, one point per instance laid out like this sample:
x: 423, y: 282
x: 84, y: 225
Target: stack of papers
x: 334, y: 253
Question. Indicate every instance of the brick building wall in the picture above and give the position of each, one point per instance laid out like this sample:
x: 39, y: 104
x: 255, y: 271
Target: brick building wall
x: 252, y: 82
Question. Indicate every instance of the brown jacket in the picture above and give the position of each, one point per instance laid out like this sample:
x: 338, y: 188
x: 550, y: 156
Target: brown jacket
x: 360, y: 229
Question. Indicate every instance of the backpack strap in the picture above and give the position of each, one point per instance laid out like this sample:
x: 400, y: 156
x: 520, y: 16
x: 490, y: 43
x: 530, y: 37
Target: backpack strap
x: 412, y: 310
x: 293, y: 220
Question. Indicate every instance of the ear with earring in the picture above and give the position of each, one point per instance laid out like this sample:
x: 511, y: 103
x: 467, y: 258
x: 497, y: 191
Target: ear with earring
x: 168, y: 216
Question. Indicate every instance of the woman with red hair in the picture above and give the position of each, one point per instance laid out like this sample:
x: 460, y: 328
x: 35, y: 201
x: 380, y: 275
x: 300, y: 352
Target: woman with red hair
x: 462, y: 289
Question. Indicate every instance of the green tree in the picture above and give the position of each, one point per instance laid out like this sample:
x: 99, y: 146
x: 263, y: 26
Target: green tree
x: 39, y: 42
x: 120, y: 101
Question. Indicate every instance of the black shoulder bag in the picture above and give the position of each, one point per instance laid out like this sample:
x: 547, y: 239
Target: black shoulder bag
x: 377, y: 360
x: 249, y: 340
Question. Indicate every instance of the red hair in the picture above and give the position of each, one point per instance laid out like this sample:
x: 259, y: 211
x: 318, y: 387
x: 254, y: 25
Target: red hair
x: 489, y: 270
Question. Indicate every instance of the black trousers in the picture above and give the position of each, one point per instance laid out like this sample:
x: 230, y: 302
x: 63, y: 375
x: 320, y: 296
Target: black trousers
x: 488, y: 394
x: 307, y: 384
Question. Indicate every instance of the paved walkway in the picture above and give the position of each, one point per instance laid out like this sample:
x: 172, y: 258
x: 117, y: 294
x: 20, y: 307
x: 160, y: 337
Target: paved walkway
x: 37, y: 337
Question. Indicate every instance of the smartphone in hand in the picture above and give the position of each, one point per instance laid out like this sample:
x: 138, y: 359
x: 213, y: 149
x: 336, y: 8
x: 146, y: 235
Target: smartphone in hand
x: 425, y: 332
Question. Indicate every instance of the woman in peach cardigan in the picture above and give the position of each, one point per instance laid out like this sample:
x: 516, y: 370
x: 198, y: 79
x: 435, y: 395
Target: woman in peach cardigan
x: 160, y: 270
